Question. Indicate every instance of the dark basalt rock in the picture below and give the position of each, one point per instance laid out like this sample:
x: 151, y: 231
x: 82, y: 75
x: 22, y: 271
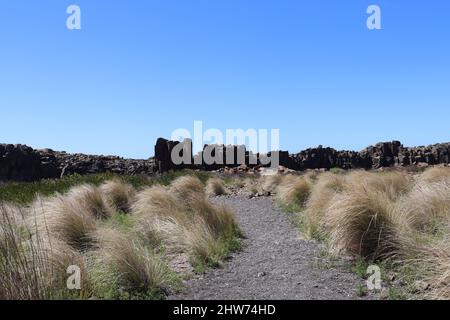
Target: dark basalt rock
x: 22, y: 163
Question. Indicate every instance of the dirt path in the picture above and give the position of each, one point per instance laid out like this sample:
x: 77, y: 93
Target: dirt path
x: 275, y: 263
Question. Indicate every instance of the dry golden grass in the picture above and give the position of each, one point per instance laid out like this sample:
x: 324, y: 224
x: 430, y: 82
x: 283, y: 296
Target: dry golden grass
x: 33, y: 266
x: 65, y: 218
x: 182, y: 219
x: 155, y: 201
x: 426, y: 207
x: 381, y: 215
x: 118, y: 195
x: 361, y: 221
x: 134, y: 266
x: 294, y: 190
x: 90, y: 199
x: 216, y: 187
x: 88, y: 227
x: 270, y: 183
x: 393, y: 184
x: 434, y: 262
x: 323, y: 192
x: 187, y: 189
x: 434, y: 174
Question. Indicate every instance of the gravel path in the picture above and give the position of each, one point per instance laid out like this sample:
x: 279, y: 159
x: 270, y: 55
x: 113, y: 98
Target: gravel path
x: 275, y: 263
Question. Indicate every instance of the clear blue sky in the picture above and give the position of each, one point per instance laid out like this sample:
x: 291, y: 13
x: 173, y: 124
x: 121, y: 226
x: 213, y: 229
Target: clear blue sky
x: 140, y: 69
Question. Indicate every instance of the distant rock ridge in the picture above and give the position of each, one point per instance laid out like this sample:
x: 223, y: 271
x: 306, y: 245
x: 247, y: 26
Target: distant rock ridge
x: 380, y: 155
x: 22, y: 163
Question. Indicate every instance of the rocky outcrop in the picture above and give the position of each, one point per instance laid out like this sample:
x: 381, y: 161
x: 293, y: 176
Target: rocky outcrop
x: 387, y: 154
x: 163, y: 155
x: 88, y: 164
x: 327, y: 158
x: 22, y: 163
x: 380, y: 155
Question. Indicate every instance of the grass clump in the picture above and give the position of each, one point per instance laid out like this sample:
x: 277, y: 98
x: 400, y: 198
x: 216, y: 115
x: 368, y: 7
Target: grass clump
x: 119, y: 237
x: 294, y: 190
x: 216, y: 187
x: 397, y: 219
x: 183, y: 220
x: 127, y: 269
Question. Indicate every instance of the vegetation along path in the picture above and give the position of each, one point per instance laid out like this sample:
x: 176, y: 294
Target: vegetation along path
x: 275, y: 263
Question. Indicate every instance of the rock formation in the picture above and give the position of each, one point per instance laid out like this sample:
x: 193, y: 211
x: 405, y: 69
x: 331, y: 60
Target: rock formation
x: 22, y: 163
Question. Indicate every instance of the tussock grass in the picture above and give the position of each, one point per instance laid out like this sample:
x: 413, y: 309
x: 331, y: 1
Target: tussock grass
x: 361, y: 221
x: 187, y: 186
x: 294, y: 190
x: 116, y: 235
x: 182, y: 219
x: 435, y: 174
x: 91, y: 200
x: 33, y: 266
x: 118, y: 195
x: 393, y: 184
x: 270, y: 183
x: 155, y: 201
x: 327, y: 187
x: 128, y: 266
x: 216, y: 187
x: 427, y: 207
x: 65, y: 218
x: 396, y: 217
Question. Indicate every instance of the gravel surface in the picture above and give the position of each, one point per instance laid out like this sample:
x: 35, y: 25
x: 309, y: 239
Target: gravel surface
x: 275, y: 263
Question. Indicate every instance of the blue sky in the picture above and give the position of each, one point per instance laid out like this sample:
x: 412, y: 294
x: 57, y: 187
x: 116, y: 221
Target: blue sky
x: 138, y: 70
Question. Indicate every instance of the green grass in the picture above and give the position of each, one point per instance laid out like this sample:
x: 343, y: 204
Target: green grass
x: 361, y: 291
x: 360, y: 267
x: 106, y: 284
x: 338, y: 171
x: 25, y: 192
x: 120, y: 221
x: 225, y: 245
